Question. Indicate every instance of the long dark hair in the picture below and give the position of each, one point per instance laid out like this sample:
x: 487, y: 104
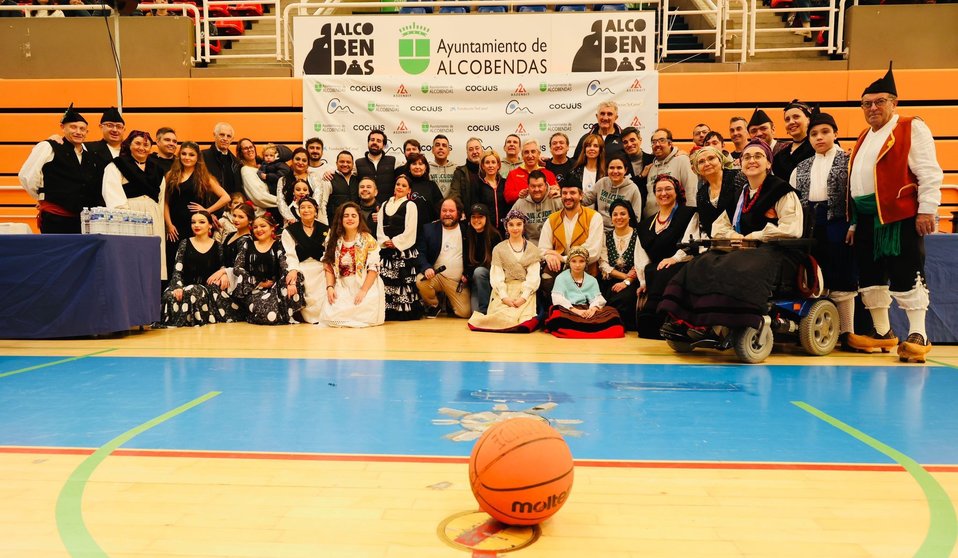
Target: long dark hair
x: 337, y: 230
x: 202, y: 178
x: 621, y: 202
x: 600, y: 166
x: 209, y: 219
x: 489, y: 237
x: 288, y: 194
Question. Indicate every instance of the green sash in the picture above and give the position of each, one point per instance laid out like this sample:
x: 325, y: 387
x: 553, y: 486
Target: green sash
x: 887, y: 237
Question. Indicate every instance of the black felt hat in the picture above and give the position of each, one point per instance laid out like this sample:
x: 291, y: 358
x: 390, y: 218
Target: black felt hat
x: 819, y: 118
x: 112, y: 115
x: 72, y: 116
x: 758, y: 118
x: 883, y: 85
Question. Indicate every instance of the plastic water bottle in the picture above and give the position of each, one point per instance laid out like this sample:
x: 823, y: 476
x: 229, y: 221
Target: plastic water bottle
x: 94, y: 225
x: 85, y: 221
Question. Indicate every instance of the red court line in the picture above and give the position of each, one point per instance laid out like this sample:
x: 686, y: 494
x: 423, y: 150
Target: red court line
x: 720, y: 465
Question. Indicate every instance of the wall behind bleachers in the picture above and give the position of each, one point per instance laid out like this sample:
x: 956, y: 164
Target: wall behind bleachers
x: 269, y: 109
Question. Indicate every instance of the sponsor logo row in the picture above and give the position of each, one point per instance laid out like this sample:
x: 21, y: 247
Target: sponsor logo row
x: 520, y: 129
x: 594, y: 87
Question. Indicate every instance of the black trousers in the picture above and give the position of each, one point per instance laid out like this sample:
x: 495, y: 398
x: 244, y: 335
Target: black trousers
x: 900, y: 270
x: 55, y: 224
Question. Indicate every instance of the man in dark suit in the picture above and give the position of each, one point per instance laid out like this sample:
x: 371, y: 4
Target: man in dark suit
x: 221, y: 162
x: 378, y: 165
x: 108, y: 148
x: 440, y: 246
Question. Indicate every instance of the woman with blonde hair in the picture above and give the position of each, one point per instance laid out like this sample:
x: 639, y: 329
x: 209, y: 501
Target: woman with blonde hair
x: 720, y: 183
x: 491, y: 189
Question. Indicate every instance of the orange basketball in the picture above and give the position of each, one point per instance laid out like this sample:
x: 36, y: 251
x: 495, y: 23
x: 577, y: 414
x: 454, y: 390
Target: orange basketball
x: 521, y: 471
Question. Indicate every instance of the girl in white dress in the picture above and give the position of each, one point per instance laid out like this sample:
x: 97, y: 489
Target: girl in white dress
x: 354, y: 291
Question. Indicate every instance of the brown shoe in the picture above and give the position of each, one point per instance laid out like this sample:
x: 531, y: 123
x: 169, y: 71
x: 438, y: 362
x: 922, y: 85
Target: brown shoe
x: 873, y: 342
x: 914, y: 348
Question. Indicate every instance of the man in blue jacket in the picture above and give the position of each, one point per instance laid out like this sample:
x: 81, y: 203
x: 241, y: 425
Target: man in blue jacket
x: 440, y: 246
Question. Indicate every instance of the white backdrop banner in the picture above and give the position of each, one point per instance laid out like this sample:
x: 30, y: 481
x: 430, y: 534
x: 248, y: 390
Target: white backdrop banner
x: 415, y: 76
x: 477, y: 45
x: 343, y: 111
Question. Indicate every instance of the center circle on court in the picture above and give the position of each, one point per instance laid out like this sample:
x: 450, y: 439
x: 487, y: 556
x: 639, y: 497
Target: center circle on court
x: 476, y: 530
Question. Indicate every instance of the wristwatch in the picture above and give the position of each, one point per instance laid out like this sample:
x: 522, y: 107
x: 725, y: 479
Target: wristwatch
x: 627, y: 282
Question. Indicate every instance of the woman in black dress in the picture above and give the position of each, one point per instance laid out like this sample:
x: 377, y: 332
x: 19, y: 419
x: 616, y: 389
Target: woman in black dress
x: 243, y: 216
x: 397, y: 229
x: 797, y: 115
x: 261, y: 274
x: 197, y: 293
x: 189, y: 188
x: 659, y: 234
x: 423, y: 190
x: 620, y: 261
x: 721, y: 290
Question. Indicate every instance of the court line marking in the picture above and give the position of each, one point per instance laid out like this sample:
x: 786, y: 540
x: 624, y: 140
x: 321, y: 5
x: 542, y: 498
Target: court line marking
x: 610, y: 463
x: 940, y: 363
x: 55, y: 362
x: 69, y: 513
x: 942, y: 532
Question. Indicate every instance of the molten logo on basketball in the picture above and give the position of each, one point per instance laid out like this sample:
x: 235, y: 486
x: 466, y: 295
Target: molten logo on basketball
x: 553, y: 501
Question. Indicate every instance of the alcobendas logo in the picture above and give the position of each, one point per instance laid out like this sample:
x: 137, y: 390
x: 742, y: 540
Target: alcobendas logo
x: 414, y: 49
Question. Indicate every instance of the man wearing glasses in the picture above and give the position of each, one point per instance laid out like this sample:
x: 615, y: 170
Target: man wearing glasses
x: 108, y: 148
x: 895, y: 182
x: 667, y: 159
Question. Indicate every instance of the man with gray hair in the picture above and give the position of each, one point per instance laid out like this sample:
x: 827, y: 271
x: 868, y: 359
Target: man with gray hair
x: 465, y: 179
x: 221, y: 162
x: 517, y: 183
x: 606, y: 128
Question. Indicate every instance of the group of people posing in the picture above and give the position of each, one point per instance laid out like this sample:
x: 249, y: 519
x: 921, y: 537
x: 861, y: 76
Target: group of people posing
x: 586, y: 244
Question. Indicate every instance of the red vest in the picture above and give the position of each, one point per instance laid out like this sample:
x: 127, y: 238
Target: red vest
x: 896, y: 187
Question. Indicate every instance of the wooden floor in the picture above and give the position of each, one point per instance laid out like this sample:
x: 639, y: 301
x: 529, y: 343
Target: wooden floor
x: 188, y: 502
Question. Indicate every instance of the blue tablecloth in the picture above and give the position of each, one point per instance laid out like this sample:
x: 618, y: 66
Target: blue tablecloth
x: 941, y: 269
x: 67, y: 285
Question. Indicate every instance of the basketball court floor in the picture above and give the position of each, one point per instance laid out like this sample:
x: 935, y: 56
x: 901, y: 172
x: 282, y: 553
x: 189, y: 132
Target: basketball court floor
x: 245, y: 441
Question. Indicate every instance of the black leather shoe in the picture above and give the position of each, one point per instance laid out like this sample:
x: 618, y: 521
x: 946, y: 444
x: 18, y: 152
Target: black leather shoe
x: 673, y: 329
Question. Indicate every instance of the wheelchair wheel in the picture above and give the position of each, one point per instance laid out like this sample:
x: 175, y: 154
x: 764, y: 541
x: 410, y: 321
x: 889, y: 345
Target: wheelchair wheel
x: 753, y: 345
x: 818, y: 330
x: 680, y: 346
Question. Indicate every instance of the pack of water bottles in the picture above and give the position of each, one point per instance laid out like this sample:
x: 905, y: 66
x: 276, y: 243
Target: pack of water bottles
x: 125, y: 222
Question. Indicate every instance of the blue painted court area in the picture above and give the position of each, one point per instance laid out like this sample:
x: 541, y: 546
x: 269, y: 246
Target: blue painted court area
x: 633, y: 412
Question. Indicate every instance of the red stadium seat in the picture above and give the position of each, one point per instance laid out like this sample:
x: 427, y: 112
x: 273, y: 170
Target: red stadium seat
x: 219, y: 11
x: 781, y: 3
x: 231, y: 27
x: 247, y: 10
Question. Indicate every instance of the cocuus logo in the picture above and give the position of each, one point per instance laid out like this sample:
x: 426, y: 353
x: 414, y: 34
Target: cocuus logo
x: 414, y: 49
